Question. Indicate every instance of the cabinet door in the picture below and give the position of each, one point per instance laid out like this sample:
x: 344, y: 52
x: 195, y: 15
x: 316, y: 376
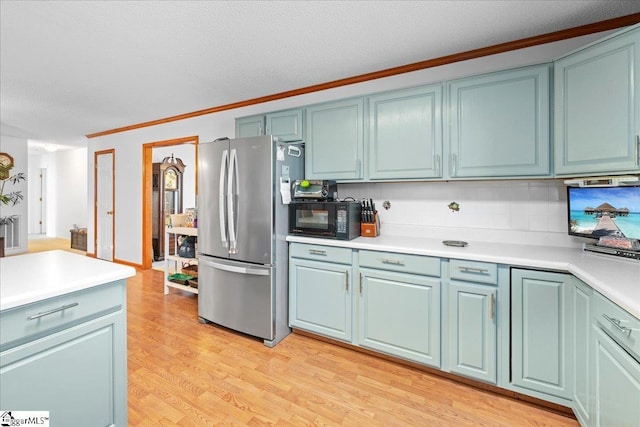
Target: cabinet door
x: 581, y: 324
x: 250, y: 126
x: 78, y: 375
x: 286, y: 125
x: 405, y: 134
x: 499, y: 124
x: 540, y: 328
x: 597, y: 107
x: 400, y: 315
x: 334, y: 142
x: 616, y: 384
x: 320, y: 298
x: 472, y: 335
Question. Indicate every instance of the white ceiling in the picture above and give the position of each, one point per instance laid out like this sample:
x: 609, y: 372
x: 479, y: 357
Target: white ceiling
x: 72, y: 68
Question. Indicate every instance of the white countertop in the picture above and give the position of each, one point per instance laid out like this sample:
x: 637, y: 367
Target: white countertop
x: 33, y: 277
x: 616, y: 278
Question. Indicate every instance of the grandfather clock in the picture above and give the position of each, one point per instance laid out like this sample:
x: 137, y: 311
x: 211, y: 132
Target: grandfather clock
x: 166, y: 199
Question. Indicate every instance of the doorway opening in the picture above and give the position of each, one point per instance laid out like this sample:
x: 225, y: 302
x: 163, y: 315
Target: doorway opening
x: 185, y: 149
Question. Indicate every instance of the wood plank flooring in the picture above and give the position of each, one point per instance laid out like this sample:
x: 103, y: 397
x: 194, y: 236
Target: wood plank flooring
x: 183, y: 373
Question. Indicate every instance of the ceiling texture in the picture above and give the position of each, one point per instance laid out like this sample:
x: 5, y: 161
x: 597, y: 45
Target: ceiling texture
x: 74, y: 68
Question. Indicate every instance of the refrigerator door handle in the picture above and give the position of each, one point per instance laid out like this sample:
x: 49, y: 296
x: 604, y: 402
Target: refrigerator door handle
x: 235, y: 269
x: 232, y: 182
x: 224, y: 166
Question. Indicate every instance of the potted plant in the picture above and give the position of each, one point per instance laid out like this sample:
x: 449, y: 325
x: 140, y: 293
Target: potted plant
x: 10, y: 198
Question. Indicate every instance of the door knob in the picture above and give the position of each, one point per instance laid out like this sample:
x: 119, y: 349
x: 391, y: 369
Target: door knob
x: 109, y: 212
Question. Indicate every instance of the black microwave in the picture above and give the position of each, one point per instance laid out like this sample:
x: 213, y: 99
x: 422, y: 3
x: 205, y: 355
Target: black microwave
x: 333, y: 220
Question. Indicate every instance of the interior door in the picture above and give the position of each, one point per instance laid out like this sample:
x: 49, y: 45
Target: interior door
x: 104, y: 213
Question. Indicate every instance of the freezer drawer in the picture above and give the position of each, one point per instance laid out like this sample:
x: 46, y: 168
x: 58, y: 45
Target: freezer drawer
x: 237, y: 295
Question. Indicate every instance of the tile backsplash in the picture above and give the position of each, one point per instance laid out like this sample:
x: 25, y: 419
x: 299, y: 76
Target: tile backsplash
x: 522, y: 211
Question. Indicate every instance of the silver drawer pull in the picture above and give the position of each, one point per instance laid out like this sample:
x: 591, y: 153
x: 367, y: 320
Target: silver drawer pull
x: 391, y: 261
x: 55, y: 310
x: 616, y: 324
x: 473, y: 270
x: 317, y: 252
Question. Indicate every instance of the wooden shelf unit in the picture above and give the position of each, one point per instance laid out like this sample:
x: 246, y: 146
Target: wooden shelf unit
x: 173, y: 263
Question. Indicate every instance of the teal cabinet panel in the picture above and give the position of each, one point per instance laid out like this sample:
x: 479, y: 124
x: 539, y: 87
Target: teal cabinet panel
x: 334, y: 140
x: 286, y: 125
x: 616, y: 384
x: 499, y: 124
x: 400, y: 315
x: 581, y: 323
x: 72, y: 362
x: 473, y: 331
x: 405, y: 134
x: 597, y: 107
x: 250, y: 126
x: 541, y: 308
x: 320, y: 298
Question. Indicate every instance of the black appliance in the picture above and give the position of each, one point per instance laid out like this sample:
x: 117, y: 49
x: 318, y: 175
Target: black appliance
x: 333, y: 220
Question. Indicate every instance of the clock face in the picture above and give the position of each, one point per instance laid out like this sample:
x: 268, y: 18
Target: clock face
x: 6, y: 161
x: 170, y: 180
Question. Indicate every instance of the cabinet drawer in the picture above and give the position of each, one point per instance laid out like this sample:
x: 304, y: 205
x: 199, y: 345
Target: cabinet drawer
x: 473, y: 271
x: 417, y: 264
x: 321, y: 253
x: 620, y: 325
x: 32, y: 321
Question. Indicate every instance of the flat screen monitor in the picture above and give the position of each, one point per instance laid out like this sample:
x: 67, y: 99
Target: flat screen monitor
x: 594, y: 212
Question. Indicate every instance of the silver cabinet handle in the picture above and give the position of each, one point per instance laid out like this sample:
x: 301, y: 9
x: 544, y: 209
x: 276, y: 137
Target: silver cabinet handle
x: 454, y: 165
x: 492, y: 309
x: 616, y: 324
x: 391, y: 261
x: 473, y: 270
x: 346, y: 282
x: 55, y: 310
x: 317, y: 252
x: 436, y: 164
x: 360, y: 284
x: 637, y: 150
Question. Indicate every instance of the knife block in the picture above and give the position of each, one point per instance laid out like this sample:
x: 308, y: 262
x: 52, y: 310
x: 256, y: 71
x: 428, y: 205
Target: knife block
x: 370, y: 229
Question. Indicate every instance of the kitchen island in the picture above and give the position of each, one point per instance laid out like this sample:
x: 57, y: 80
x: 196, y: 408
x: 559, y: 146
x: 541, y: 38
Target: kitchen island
x: 63, y: 346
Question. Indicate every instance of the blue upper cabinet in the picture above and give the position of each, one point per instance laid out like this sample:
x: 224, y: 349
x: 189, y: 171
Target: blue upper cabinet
x: 286, y: 125
x: 499, y: 124
x: 405, y: 134
x: 250, y: 126
x: 334, y: 140
x: 597, y: 107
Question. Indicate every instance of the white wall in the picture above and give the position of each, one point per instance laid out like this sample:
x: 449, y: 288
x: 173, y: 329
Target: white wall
x: 128, y: 151
x: 66, y: 192
x: 17, y: 148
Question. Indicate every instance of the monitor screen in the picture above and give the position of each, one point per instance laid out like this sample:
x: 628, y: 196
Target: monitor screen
x: 595, y: 212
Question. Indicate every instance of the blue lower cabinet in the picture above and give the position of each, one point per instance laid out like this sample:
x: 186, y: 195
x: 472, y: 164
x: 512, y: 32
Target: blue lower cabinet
x: 581, y: 324
x: 472, y: 330
x: 399, y: 314
x: 541, y: 350
x: 320, y: 297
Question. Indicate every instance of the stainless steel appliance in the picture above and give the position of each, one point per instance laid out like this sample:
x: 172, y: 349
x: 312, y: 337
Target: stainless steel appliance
x: 334, y: 220
x: 242, y: 225
x: 315, y: 189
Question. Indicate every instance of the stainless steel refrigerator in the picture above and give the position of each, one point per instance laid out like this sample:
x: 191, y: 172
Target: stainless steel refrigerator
x: 242, y: 226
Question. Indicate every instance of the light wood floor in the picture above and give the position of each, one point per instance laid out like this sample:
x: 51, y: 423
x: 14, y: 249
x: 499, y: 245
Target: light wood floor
x: 183, y: 373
